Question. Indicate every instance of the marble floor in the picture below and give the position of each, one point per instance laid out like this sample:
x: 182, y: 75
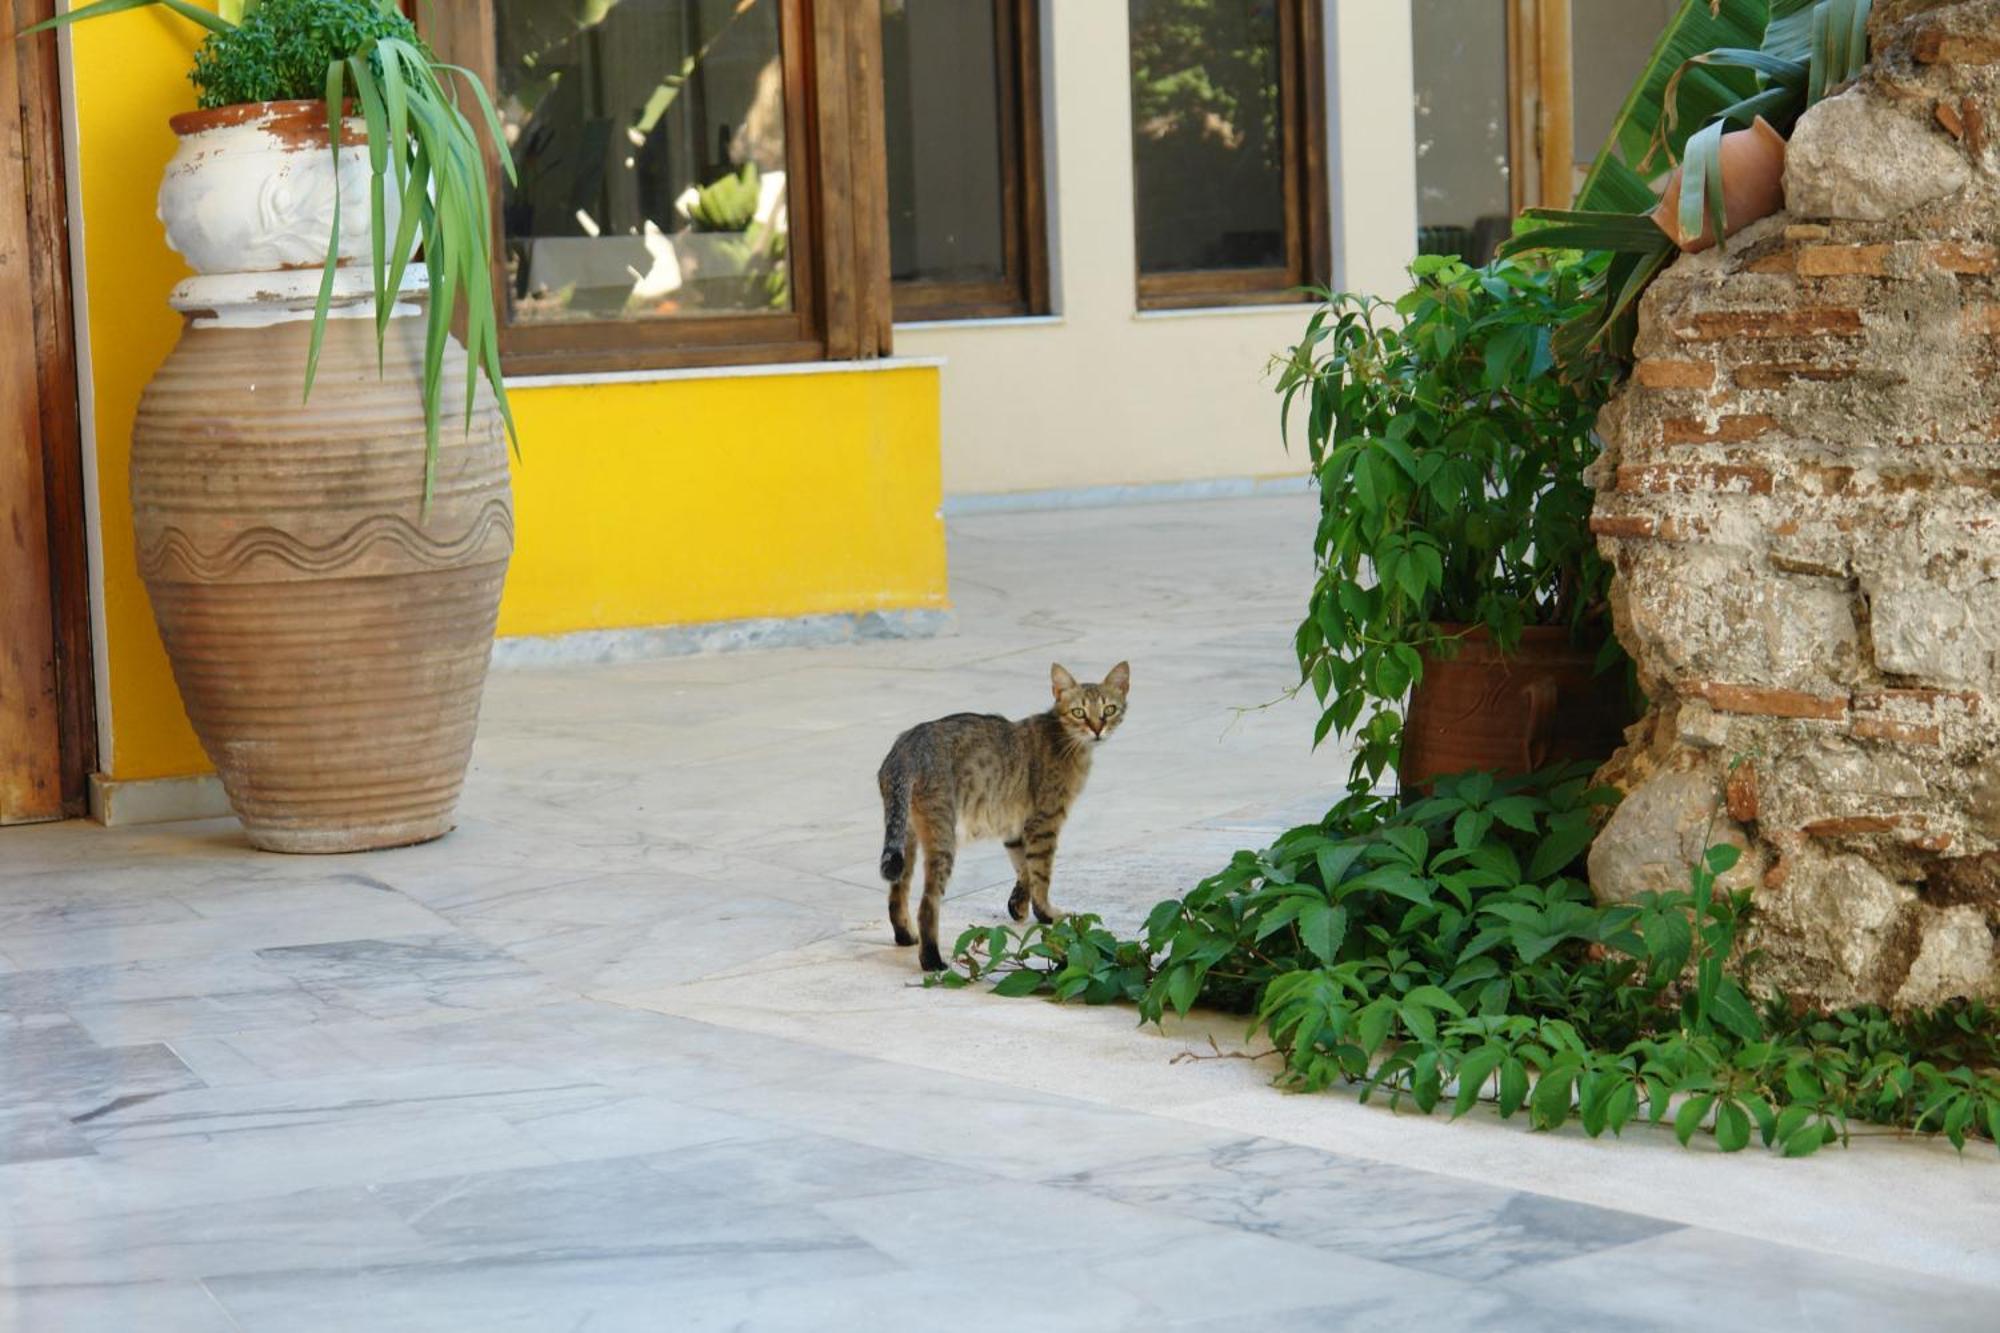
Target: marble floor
x: 631, y: 1049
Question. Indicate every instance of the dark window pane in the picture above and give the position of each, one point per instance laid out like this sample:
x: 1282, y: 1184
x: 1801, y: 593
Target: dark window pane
x: 1464, y: 187
x: 650, y: 140
x: 941, y: 92
x: 1207, y: 138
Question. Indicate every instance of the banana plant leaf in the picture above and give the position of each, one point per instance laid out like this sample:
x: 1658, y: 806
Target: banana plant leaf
x: 1629, y: 151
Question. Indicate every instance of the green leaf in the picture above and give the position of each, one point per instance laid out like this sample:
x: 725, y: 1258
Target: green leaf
x: 1183, y: 984
x: 1473, y: 1072
x: 1732, y: 1008
x: 1732, y: 1127
x: 1688, y: 1119
x: 1322, y: 928
x: 1024, y: 982
x: 1513, y: 1086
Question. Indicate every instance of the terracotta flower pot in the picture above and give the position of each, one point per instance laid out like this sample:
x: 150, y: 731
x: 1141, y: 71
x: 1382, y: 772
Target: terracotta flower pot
x: 1510, y: 714
x: 330, y: 638
x: 1753, y: 186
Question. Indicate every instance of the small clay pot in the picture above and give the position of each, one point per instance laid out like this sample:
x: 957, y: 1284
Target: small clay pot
x: 1753, y: 186
x: 1510, y: 713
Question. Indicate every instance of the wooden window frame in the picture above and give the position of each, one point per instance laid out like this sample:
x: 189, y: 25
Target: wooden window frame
x: 1024, y: 290
x: 836, y: 192
x: 1308, y: 226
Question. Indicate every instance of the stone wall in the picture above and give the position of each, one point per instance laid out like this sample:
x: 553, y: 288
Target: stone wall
x: 1801, y: 493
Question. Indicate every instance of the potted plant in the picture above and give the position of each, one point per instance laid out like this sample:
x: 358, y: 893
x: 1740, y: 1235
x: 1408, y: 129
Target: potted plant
x: 1756, y: 64
x: 324, y: 562
x: 1455, y: 560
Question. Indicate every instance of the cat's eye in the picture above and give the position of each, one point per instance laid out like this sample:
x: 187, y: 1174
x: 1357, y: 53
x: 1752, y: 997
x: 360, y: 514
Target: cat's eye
x: 1111, y: 710
x: 1076, y: 712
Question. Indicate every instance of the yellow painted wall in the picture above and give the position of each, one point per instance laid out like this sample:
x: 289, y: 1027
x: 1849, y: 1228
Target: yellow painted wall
x: 677, y: 501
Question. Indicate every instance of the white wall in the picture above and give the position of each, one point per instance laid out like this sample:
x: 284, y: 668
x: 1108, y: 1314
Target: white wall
x: 1099, y: 394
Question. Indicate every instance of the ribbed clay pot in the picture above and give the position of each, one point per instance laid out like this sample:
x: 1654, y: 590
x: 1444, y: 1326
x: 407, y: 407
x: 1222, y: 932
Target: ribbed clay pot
x: 330, y: 638
x: 1510, y: 713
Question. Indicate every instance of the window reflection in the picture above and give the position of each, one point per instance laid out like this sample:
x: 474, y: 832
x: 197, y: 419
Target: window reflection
x: 649, y: 136
x: 1207, y: 135
x: 1464, y: 182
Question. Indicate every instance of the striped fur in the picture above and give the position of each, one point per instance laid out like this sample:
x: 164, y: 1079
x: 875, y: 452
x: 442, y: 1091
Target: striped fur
x: 978, y: 775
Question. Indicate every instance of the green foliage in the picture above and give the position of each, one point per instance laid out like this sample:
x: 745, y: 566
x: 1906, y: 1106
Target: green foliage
x: 1449, y: 951
x: 1769, y: 58
x: 421, y: 144
x: 1449, y: 456
x: 729, y: 203
x: 282, y: 48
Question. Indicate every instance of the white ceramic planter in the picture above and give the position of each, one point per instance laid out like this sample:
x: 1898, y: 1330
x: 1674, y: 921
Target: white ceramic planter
x: 248, y: 201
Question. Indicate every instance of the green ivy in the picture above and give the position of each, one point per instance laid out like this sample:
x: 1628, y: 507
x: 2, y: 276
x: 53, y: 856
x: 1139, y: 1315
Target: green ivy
x: 281, y: 50
x: 1450, y: 950
x: 1449, y: 456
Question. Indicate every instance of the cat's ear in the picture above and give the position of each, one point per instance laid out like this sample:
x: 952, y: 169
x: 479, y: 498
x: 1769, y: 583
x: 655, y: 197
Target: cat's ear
x: 1060, y: 680
x: 1119, y: 678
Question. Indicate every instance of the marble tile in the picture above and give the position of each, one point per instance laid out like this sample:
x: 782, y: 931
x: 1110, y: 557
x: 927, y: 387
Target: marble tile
x: 329, y: 1229
x: 1695, y: 1277
x: 157, y: 1307
x: 389, y: 978
x: 1448, y: 1227
x: 991, y: 1127
x: 49, y: 1059
x: 795, y: 1167
x: 38, y: 1134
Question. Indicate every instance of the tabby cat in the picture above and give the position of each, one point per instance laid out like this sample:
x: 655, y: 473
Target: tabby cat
x: 982, y: 776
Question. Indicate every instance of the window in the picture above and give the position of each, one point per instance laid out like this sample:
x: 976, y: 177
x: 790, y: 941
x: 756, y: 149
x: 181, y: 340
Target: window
x: 691, y: 188
x: 1467, y: 184
x: 1228, y: 150
x: 962, y: 130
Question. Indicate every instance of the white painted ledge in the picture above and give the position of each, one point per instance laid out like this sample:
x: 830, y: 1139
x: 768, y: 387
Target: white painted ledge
x: 1099, y: 497
x: 116, y: 803
x: 876, y: 365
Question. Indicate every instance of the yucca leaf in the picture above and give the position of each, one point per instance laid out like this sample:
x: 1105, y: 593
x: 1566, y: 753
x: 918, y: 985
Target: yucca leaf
x: 1701, y: 182
x: 377, y: 118
x: 1778, y: 69
x: 499, y: 137
x: 336, y: 87
x: 194, y: 13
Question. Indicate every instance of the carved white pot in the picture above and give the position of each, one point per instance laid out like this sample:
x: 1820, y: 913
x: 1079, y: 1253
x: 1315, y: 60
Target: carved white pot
x: 329, y: 636
x: 248, y: 201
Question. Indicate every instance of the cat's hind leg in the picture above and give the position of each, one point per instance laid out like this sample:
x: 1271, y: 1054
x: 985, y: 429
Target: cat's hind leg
x: 937, y: 830
x: 899, y: 893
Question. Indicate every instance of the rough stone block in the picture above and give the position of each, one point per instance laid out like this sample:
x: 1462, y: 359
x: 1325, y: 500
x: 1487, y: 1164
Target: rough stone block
x: 1861, y: 157
x: 1936, y: 636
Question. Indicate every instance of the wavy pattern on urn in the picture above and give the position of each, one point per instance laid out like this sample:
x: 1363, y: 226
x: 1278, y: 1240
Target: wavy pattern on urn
x: 175, y: 548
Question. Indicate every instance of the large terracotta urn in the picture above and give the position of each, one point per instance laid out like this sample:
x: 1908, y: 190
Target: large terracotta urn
x: 330, y: 636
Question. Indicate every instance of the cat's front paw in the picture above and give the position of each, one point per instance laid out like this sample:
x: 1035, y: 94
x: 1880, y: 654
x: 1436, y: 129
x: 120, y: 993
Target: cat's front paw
x: 930, y: 959
x: 1017, y: 903
x: 1048, y: 916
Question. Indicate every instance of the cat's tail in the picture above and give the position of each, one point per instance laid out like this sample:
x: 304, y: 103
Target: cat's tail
x: 895, y: 783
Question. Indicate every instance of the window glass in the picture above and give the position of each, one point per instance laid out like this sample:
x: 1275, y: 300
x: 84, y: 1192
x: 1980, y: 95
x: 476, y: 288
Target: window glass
x: 941, y: 68
x: 649, y: 136
x: 1464, y: 184
x: 1207, y: 135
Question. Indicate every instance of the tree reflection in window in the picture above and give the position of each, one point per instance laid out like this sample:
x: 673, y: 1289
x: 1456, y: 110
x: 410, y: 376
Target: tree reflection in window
x: 650, y: 141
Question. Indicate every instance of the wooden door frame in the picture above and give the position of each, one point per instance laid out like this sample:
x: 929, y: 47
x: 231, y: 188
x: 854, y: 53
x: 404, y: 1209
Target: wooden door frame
x: 48, y: 727
x: 1541, y: 127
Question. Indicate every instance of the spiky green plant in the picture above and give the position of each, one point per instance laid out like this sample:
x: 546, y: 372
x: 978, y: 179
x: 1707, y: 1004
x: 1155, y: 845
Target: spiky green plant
x: 421, y: 144
x: 1720, y: 65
